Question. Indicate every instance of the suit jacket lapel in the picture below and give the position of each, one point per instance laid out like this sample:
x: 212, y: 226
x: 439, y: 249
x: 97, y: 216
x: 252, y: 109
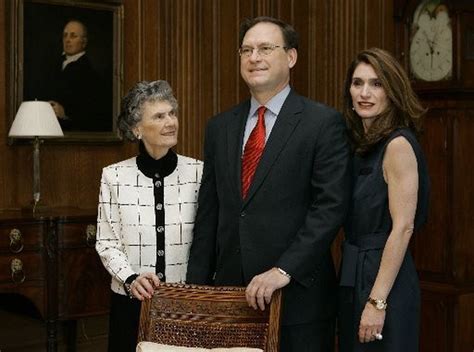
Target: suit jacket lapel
x: 286, y: 122
x: 235, y: 135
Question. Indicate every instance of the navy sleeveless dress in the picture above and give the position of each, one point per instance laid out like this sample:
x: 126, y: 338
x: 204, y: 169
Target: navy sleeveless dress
x: 366, y: 231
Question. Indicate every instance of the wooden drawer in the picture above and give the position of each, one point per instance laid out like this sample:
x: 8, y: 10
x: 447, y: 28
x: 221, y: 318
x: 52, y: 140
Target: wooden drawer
x: 14, y: 238
x: 75, y: 235
x: 28, y: 266
x: 84, y: 284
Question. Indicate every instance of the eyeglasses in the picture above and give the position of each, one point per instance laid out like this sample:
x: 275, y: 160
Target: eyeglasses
x: 264, y: 50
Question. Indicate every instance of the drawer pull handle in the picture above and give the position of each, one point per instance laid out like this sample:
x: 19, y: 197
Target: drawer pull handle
x: 18, y: 275
x: 91, y: 231
x: 16, y: 241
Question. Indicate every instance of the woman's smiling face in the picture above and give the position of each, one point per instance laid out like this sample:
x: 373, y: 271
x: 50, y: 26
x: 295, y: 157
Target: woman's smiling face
x: 158, y: 127
x: 369, y: 98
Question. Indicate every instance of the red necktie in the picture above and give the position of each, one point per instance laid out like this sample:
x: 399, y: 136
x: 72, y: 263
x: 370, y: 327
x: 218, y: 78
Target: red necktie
x: 253, y: 151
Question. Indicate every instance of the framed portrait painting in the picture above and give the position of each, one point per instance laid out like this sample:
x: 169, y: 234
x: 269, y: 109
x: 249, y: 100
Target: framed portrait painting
x: 69, y: 53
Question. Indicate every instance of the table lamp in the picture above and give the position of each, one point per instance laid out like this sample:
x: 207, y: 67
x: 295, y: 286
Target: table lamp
x: 35, y: 119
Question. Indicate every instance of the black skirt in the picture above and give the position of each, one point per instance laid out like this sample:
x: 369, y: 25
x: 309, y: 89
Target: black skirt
x: 123, y: 323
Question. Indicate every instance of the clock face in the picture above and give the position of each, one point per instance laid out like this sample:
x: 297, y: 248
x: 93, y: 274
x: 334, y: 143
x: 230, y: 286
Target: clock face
x: 431, y: 48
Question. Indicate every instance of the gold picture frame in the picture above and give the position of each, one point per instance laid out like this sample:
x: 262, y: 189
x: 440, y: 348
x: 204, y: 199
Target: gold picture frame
x: 88, y: 89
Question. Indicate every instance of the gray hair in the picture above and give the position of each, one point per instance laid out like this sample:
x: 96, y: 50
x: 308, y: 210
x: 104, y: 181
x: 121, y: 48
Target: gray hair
x: 131, y: 111
x: 85, y: 31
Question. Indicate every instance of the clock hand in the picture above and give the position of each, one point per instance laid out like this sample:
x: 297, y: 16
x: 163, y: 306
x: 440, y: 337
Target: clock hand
x: 425, y: 34
x: 428, y: 40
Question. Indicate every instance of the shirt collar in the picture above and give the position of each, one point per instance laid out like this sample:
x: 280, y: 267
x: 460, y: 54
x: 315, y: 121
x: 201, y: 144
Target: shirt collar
x: 274, y: 104
x: 71, y: 58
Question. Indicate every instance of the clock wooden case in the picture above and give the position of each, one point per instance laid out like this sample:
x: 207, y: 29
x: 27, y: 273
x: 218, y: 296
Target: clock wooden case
x: 442, y: 250
x: 435, y: 41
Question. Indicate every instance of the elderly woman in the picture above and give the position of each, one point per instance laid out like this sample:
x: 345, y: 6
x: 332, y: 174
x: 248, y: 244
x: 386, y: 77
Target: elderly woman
x: 380, y: 294
x: 146, y: 209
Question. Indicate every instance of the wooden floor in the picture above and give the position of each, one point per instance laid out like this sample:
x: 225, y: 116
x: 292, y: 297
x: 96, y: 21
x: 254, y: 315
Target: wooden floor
x: 20, y: 332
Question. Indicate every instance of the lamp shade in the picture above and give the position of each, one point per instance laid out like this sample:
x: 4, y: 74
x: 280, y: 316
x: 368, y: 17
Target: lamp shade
x: 35, y: 119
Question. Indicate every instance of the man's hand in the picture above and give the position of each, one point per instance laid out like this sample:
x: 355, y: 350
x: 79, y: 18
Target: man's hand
x: 260, y: 290
x: 58, y: 109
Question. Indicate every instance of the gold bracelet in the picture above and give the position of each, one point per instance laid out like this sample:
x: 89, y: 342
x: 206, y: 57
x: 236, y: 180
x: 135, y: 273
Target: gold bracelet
x: 379, y: 304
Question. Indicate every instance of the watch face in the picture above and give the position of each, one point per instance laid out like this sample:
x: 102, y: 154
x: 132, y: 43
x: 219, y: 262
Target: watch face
x: 431, y: 48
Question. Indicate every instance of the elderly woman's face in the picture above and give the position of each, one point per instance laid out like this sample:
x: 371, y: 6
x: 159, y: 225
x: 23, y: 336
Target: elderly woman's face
x: 158, y: 128
x: 369, y: 98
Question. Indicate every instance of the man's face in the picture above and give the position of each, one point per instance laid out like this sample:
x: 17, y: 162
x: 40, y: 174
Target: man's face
x: 271, y: 73
x: 74, y: 40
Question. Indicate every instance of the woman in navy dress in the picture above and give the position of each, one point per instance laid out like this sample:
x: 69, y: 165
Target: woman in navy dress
x: 379, y: 288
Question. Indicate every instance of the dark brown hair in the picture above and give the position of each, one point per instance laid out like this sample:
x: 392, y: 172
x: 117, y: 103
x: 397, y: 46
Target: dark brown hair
x: 290, y: 36
x: 403, y: 110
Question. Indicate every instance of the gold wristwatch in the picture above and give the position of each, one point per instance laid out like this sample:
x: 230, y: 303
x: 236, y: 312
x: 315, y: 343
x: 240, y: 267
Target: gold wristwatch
x: 379, y: 304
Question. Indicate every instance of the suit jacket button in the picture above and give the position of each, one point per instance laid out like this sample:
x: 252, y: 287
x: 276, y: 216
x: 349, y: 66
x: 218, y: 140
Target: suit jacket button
x: 242, y: 214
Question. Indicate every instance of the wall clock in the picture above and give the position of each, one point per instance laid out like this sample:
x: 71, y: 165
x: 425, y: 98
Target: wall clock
x: 431, y: 43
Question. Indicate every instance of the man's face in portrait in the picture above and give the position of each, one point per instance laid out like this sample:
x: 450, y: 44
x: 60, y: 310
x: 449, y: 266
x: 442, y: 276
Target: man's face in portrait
x: 74, y: 38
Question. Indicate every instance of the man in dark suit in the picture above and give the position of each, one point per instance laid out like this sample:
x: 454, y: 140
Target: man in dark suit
x: 274, y: 192
x: 77, y: 93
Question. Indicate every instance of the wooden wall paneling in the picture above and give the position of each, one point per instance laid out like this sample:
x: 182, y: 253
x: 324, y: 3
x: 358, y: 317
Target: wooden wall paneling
x: 5, y: 160
x: 246, y: 9
x: 430, y: 247
x: 446, y: 318
x: 320, y: 64
x: 19, y: 189
x: 179, y: 61
x: 208, y: 88
x: 285, y: 10
x: 133, y: 48
x: 339, y: 33
x: 300, y: 17
x: 466, y: 40
x: 188, y: 64
x: 215, y: 58
x: 70, y: 174
x: 227, y: 58
x: 151, y: 49
x: 463, y: 195
x: 194, y: 124
x: 264, y: 8
x: 436, y: 321
x: 375, y: 23
x: 333, y: 33
x: 464, y: 338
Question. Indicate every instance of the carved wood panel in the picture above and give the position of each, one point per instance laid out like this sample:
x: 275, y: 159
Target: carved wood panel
x: 429, y: 246
x: 463, y: 195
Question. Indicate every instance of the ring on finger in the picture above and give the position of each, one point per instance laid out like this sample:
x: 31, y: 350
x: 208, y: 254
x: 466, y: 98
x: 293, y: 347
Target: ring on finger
x: 378, y: 336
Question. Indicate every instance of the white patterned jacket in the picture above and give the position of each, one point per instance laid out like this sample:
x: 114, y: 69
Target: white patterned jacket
x: 126, y: 233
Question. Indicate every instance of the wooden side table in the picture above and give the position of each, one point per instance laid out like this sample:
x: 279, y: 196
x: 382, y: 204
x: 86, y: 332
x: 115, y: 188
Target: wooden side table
x: 50, y: 259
